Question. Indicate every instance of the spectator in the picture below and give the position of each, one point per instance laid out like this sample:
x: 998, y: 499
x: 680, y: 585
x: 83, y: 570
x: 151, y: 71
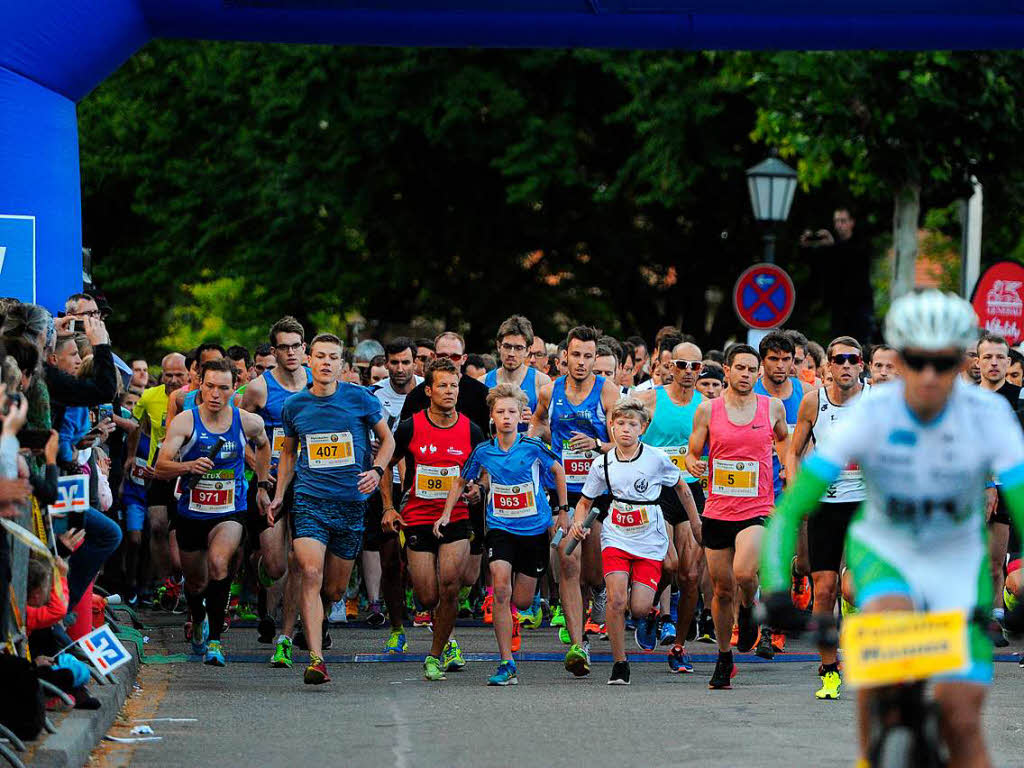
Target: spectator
x: 140, y: 374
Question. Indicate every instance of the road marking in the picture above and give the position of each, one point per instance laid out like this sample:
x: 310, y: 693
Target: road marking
x: 403, y: 744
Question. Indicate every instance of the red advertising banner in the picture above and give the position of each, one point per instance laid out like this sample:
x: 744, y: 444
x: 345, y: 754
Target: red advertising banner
x: 998, y: 302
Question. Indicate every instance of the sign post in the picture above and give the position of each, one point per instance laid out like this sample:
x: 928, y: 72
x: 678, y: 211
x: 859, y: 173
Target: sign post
x: 763, y: 298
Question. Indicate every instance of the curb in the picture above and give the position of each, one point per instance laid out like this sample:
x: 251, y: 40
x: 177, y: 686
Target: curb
x: 79, y: 731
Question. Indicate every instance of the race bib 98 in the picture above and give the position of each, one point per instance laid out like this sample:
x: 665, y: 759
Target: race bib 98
x: 434, y: 482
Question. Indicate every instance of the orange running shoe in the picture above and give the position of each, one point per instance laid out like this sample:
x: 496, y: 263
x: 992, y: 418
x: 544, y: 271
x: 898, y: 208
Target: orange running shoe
x: 592, y: 627
x: 488, y: 608
x: 778, y: 642
x: 517, y: 638
x: 800, y: 590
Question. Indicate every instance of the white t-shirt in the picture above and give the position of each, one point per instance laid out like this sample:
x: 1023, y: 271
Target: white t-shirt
x: 634, y: 523
x: 392, y: 403
x: 925, y: 482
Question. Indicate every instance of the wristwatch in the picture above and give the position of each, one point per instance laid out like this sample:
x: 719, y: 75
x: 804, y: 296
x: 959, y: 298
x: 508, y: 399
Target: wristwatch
x: 564, y: 508
x: 265, y: 485
x: 378, y: 470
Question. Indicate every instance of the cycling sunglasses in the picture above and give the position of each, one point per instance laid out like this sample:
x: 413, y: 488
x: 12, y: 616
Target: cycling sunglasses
x: 941, y: 363
x: 846, y: 357
x: 687, y: 365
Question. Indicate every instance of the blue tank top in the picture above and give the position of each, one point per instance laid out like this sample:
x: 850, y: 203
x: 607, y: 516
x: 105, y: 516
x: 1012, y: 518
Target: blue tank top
x: 271, y: 412
x: 792, y: 406
x: 222, y: 491
x: 188, y: 402
x: 529, y: 386
x: 588, y: 418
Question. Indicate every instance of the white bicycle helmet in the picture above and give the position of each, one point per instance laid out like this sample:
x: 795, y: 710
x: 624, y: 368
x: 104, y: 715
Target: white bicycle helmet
x: 931, y: 320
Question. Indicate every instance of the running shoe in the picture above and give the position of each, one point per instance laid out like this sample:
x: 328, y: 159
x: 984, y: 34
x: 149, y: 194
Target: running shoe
x: 577, y: 661
x: 451, y: 657
x: 646, y: 633
x: 214, y: 654
x: 847, y: 608
x: 563, y: 635
x: 488, y: 606
x: 506, y: 675
x: 352, y: 608
x: 800, y: 592
x: 532, y: 619
x: 432, y: 669
x: 168, y: 595
x: 599, y: 606
x: 517, y: 637
x: 282, y: 658
x: 666, y: 632
x: 316, y: 672
x: 778, y: 641
x: 830, y: 682
x: 620, y: 673
x: 410, y: 601
x: 421, y: 619
x: 679, y: 660
x: 246, y: 612
x: 199, y: 647
x: 557, y: 617
x: 603, y: 635
x: 764, y: 644
x: 465, y: 609
x: 264, y: 578
x: 725, y: 671
x: 746, y: 634
x: 707, y: 628
x: 376, y: 617
x: 592, y: 626
x: 396, y: 642
x: 338, y: 614
x: 265, y: 630
x: 995, y: 631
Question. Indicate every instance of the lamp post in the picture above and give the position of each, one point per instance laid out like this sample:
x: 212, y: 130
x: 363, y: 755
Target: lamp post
x: 772, y: 185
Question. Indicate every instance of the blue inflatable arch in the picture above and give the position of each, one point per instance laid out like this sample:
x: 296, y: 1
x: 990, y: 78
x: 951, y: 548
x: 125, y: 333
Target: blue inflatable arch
x: 53, y: 52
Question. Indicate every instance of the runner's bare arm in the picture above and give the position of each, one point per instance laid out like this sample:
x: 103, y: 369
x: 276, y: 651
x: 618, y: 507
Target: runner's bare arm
x: 558, y: 473
x: 255, y: 395
x: 801, y: 438
x: 539, y: 420
x: 458, y: 486
x: 698, y: 437
x: 257, y: 434
x: 174, y: 405
x: 576, y: 530
x: 167, y: 465
x: 371, y: 478
x: 682, y: 489
x: 780, y: 429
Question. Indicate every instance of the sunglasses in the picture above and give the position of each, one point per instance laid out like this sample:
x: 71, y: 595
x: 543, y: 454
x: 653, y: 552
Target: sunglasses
x: 454, y: 357
x: 687, y: 365
x: 846, y: 357
x: 941, y: 363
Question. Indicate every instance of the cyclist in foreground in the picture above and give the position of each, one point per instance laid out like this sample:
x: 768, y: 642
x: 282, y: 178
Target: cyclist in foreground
x: 927, y: 446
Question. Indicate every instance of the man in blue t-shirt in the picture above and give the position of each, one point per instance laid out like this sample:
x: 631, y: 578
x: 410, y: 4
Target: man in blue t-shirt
x: 334, y: 477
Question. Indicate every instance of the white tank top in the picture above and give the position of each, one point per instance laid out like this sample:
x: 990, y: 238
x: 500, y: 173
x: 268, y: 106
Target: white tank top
x: 849, y: 487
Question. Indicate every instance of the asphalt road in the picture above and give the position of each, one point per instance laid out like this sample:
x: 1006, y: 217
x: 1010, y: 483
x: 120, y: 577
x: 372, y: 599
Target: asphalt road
x: 384, y: 713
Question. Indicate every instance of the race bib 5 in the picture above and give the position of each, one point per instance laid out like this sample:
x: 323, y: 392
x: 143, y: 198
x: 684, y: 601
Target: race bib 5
x: 735, y: 478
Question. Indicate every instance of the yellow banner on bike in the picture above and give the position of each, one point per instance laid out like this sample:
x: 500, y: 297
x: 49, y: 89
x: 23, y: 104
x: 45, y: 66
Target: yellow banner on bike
x: 887, y: 648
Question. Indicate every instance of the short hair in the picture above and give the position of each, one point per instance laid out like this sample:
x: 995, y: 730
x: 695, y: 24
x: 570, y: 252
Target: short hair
x: 631, y: 406
x: 613, y: 344
x: 62, y: 340
x: 398, y: 345
x: 501, y: 391
x: 562, y: 346
x: 378, y: 361
x: 38, y: 574
x: 424, y: 342
x: 584, y: 333
x: 450, y: 335
x: 815, y: 350
x: 490, y: 361
x: 206, y: 346
x: 798, y: 339
x: 286, y: 324
x: 605, y: 351
x: 628, y: 350
x: 991, y: 338
x: 740, y: 349
x: 262, y: 350
x: 324, y: 338
x: 436, y: 366
x: 670, y: 341
x: 846, y: 341
x: 637, y: 341
x: 477, y: 361
x: 76, y: 297
x: 715, y: 356
x: 776, y: 341
x: 1015, y: 356
x: 190, y: 357
x: 516, y: 325
x: 879, y: 348
x: 222, y: 365
x: 237, y: 352
x: 662, y: 333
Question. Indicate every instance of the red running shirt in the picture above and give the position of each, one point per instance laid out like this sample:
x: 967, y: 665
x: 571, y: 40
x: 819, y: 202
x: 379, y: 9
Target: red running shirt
x: 740, y: 464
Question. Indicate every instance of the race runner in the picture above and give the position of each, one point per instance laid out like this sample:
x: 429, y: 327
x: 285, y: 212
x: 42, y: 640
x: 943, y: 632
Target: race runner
x: 515, y: 339
x: 265, y: 396
x: 518, y: 515
x: 333, y: 478
x: 634, y: 539
x: 575, y: 406
x: 436, y: 443
x: 821, y: 413
x: 927, y: 445
x: 672, y: 408
x: 212, y: 506
x: 739, y: 428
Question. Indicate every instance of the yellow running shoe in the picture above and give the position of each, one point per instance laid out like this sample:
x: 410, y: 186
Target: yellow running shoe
x: 830, y: 682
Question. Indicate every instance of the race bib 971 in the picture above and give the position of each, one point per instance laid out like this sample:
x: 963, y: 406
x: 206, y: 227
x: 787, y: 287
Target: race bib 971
x: 213, y: 493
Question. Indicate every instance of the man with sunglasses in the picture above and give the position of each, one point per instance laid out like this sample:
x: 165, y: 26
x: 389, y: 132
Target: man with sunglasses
x: 537, y: 357
x: 927, y: 445
x: 821, y: 413
x: 265, y: 396
x: 672, y: 408
x: 779, y: 350
x: 515, y: 342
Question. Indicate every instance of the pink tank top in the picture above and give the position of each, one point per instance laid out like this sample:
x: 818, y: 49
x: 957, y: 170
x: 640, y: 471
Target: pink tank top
x: 740, y: 464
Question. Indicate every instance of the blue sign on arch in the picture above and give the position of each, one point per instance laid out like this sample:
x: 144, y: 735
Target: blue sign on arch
x: 764, y: 297
x: 18, y: 257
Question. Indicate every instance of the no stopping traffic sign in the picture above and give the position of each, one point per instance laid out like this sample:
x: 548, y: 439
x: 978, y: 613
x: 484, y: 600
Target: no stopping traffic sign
x: 764, y: 297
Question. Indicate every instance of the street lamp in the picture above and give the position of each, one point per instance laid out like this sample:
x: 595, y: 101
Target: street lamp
x: 772, y: 184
